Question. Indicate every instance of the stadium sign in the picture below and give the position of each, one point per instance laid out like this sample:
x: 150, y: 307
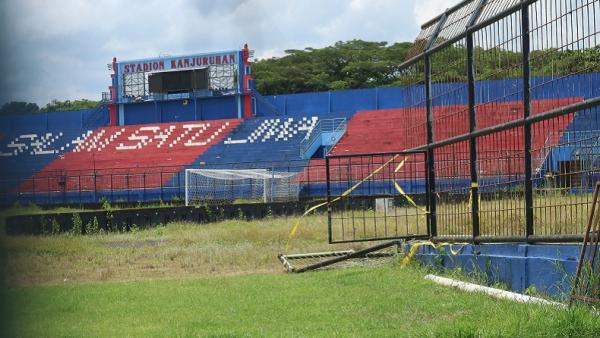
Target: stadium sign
x: 180, y: 62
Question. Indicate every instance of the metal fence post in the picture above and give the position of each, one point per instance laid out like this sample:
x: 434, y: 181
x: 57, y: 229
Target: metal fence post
x: 330, y: 236
x: 527, y: 126
x: 429, y: 116
x: 472, y: 140
x: 473, y: 124
x: 430, y: 154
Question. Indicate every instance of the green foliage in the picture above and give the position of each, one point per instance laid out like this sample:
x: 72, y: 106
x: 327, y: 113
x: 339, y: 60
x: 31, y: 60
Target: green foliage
x: 109, y: 209
x: 362, y: 64
x: 531, y: 291
x: 77, y: 225
x: 208, y: 211
x: 18, y: 107
x: 55, y: 226
x: 44, y: 225
x: 221, y: 214
x: 241, y: 215
x: 269, y: 212
x: 92, y: 227
x: 56, y: 105
x: 345, y: 65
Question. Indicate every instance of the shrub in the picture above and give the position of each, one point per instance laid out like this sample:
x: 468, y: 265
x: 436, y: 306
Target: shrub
x: 77, y: 225
x: 92, y: 227
x: 55, y: 226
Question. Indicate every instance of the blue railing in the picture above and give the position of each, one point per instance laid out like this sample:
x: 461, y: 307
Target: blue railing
x: 262, y: 106
x: 98, y: 116
x: 333, y: 129
x: 579, y: 145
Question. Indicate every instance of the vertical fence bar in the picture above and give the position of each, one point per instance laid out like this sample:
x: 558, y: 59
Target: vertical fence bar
x: 527, y: 127
x: 329, y: 229
x: 430, y: 154
x: 427, y: 195
x: 429, y: 117
x: 473, y: 123
x: 472, y: 140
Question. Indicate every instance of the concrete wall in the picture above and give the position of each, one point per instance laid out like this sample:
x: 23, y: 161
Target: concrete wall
x: 547, y: 267
x: 582, y: 85
x: 216, y: 108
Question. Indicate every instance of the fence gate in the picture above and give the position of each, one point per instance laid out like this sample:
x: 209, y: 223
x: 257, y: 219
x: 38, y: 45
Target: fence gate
x: 374, y: 197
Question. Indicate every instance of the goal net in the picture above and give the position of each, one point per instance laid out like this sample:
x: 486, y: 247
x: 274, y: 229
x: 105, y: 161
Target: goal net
x: 246, y: 185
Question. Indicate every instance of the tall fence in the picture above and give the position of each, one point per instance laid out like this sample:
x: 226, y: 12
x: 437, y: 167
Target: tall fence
x: 517, y: 164
x: 142, y: 184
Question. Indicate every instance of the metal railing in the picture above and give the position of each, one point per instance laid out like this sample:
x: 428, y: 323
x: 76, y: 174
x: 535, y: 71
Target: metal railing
x: 334, y: 126
x: 262, y: 106
x: 98, y: 117
x: 138, y: 185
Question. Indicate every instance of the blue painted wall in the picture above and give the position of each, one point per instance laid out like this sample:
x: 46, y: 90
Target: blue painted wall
x: 52, y: 121
x: 549, y: 268
x: 582, y: 85
x: 215, y: 108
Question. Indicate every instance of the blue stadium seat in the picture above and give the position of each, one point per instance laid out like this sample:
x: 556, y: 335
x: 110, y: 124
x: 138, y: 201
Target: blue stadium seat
x: 22, y: 154
x: 263, y: 142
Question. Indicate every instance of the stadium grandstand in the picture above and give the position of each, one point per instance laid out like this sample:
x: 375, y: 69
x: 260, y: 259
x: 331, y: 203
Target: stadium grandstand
x: 137, y: 147
x: 456, y: 153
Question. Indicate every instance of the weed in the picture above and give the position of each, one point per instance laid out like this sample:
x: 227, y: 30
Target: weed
x: 77, y: 225
x: 92, y: 227
x: 55, y: 226
x: 241, y: 215
x: 531, y: 291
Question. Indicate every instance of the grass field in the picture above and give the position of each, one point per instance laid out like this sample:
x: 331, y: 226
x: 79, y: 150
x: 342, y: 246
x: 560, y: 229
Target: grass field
x: 224, y: 280
x: 377, y: 302
x: 179, y: 250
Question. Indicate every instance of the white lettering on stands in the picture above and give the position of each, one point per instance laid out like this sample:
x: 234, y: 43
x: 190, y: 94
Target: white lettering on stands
x: 208, y: 140
x: 33, y: 144
x: 188, y: 135
x: 279, y: 130
x: 140, y: 138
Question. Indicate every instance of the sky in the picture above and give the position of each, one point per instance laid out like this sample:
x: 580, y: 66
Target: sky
x: 54, y: 49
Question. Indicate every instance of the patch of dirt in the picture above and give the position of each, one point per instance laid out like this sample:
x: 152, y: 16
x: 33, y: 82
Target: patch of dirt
x: 136, y: 244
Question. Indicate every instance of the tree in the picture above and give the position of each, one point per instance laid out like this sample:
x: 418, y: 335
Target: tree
x: 17, y: 107
x: 56, y: 105
x: 364, y: 64
x: 345, y: 65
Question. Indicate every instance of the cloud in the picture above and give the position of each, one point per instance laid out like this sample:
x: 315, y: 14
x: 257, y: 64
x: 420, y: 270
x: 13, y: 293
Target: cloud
x: 55, y: 49
x: 427, y: 10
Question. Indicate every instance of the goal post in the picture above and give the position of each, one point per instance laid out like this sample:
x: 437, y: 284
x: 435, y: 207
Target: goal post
x: 248, y: 185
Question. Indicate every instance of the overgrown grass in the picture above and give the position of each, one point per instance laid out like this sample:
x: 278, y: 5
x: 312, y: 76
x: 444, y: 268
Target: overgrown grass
x: 223, y: 279
x: 554, y: 214
x: 178, y: 250
x: 379, y: 302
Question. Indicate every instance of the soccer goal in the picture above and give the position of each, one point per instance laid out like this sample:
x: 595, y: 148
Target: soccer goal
x: 247, y: 185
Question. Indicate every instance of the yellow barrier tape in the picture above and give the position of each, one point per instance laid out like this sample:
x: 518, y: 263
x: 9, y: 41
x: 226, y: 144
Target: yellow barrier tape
x: 416, y: 245
x: 402, y: 192
x: 344, y: 194
x: 408, y: 198
x: 400, y: 165
x: 471, y: 199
